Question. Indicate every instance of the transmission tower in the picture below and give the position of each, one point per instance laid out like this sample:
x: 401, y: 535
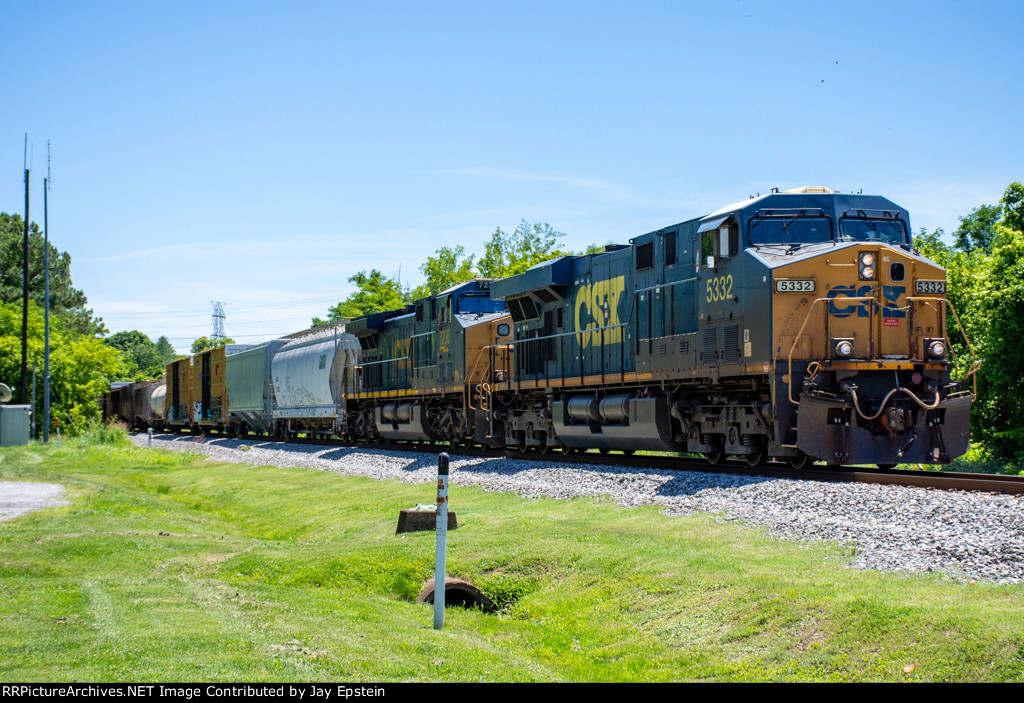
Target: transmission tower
x: 218, y: 321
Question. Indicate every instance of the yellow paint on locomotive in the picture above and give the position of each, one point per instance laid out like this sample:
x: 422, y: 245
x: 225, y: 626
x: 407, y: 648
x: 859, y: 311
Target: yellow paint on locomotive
x: 885, y: 317
x: 596, y: 307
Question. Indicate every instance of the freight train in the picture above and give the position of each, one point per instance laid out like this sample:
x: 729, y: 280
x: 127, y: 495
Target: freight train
x: 797, y: 325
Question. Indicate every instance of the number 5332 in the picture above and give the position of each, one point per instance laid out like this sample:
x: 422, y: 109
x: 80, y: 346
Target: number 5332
x: 719, y: 288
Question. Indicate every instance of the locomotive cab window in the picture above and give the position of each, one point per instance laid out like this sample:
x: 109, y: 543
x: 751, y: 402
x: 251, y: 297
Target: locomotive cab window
x: 707, y: 249
x: 774, y: 227
x: 719, y: 240
x: 869, y: 229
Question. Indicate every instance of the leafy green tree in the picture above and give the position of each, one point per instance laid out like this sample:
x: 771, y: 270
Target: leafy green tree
x: 165, y: 350
x: 204, y: 343
x: 447, y: 268
x: 1013, y: 207
x: 985, y: 275
x: 142, y: 354
x: 978, y: 229
x: 66, y: 302
x: 374, y: 293
x: 1001, y: 383
x: 81, y: 367
x: 508, y: 254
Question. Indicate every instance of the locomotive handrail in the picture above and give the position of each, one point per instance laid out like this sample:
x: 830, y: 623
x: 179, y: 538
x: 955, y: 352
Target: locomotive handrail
x: 382, y: 361
x: 666, y: 285
x: 871, y: 333
x: 807, y: 317
x: 975, y: 362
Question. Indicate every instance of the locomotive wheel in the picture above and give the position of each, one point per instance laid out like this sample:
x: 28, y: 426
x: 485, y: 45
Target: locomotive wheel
x: 544, y: 449
x: 564, y: 450
x: 714, y: 457
x: 628, y: 452
x: 886, y: 467
x: 755, y: 458
x: 798, y: 461
x: 604, y: 451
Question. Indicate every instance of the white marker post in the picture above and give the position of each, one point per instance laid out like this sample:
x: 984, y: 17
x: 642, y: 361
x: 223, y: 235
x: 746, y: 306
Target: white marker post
x: 150, y: 440
x: 441, y: 544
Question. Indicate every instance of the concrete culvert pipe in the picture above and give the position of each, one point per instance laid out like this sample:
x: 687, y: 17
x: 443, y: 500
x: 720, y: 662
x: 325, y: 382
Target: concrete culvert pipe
x: 457, y: 594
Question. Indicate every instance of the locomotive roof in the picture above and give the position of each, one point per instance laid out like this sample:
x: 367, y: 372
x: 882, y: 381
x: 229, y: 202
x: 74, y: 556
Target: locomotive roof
x: 832, y: 202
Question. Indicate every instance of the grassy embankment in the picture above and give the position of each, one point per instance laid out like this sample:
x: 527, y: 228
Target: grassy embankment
x: 165, y: 567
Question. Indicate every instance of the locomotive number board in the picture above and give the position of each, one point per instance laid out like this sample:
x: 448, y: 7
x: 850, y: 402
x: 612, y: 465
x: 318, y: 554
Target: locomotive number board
x: 930, y: 287
x: 794, y: 286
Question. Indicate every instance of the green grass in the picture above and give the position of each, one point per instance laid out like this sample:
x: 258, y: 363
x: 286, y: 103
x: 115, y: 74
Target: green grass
x: 169, y: 568
x: 977, y: 460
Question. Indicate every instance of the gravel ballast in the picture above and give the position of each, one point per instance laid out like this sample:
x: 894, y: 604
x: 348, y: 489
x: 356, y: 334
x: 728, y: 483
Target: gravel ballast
x: 964, y: 535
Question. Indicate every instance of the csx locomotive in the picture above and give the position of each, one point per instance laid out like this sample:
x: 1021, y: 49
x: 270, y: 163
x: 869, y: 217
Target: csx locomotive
x: 798, y: 325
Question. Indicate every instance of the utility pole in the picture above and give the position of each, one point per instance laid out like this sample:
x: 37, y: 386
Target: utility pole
x: 23, y: 388
x: 46, y: 284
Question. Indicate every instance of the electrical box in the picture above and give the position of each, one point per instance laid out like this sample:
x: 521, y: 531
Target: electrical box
x: 14, y: 421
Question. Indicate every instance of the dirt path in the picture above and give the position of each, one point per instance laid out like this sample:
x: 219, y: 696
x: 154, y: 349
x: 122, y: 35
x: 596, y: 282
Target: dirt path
x: 20, y: 497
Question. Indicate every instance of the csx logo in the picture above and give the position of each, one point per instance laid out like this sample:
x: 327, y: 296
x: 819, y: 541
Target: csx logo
x: 891, y: 294
x: 597, y: 305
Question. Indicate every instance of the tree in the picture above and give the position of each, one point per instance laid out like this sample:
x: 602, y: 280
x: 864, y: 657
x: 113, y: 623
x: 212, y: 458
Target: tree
x: 508, y: 254
x: 140, y: 351
x: 448, y: 268
x: 66, y: 301
x: 985, y: 285
x: 1013, y: 207
x: 1001, y: 383
x: 596, y: 248
x: 165, y: 350
x: 204, y: 343
x: 81, y: 367
x: 977, y: 229
x: 375, y: 293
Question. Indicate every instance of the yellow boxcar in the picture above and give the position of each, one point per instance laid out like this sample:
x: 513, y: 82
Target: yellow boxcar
x: 209, y: 391
x: 179, y: 393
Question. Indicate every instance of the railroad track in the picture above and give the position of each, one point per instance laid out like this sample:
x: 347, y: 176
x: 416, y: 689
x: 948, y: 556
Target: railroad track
x: 940, y: 480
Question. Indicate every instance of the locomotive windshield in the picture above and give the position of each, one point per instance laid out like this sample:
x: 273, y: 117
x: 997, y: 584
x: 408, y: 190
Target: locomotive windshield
x: 864, y: 229
x: 792, y: 228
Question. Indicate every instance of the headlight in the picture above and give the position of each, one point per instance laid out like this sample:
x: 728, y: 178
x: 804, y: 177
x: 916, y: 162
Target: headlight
x: 844, y: 348
x: 937, y: 349
x: 867, y: 266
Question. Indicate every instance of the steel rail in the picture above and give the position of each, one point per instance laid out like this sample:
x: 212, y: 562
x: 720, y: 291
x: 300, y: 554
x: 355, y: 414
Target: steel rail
x: 939, y: 480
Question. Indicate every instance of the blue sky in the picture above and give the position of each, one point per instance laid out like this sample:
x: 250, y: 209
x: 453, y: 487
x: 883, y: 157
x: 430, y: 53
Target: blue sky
x: 260, y: 153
